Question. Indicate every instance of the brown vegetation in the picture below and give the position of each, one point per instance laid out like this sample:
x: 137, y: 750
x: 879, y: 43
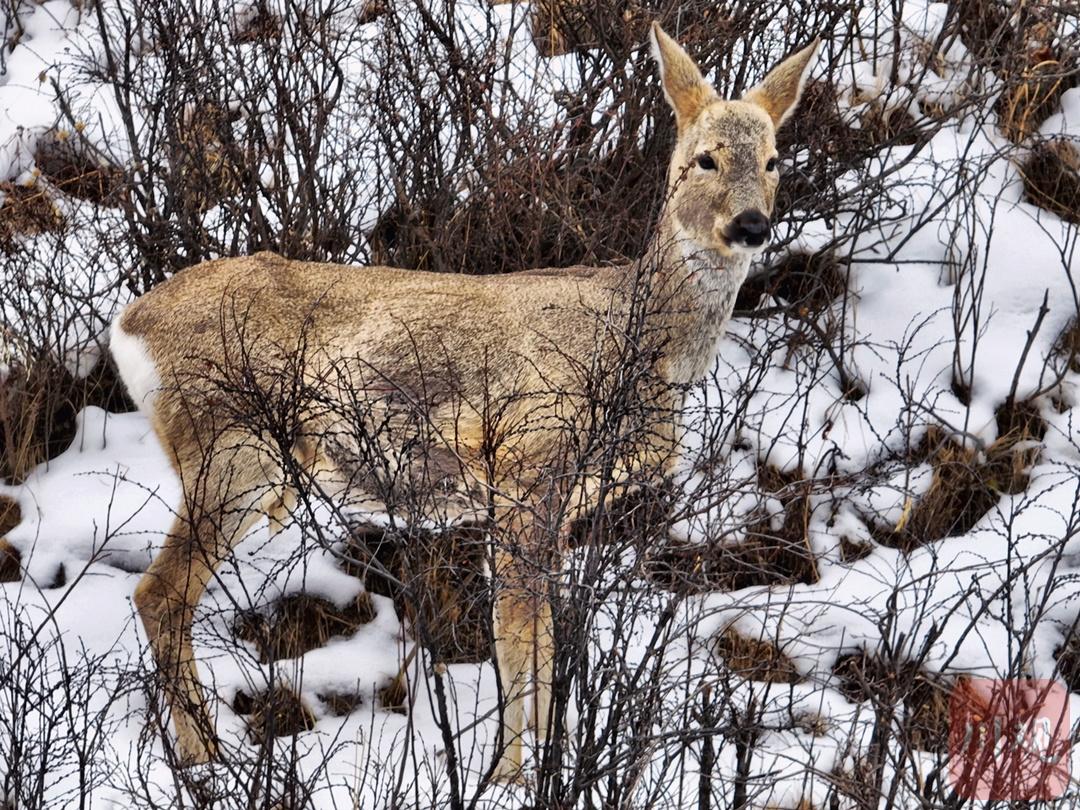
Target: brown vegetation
x: 1052, y: 178
x: 276, y: 712
x: 39, y: 406
x: 807, y: 283
x: 967, y: 483
x: 765, y: 557
x: 1039, y: 73
x: 10, y: 559
x: 10, y: 562
x: 1068, y: 660
x: 26, y: 210
x: 341, y: 704
x: 756, y: 659
x: 924, y: 696
x: 262, y: 26
x: 68, y: 168
x: 301, y: 623
x: 443, y: 591
x: 1068, y: 345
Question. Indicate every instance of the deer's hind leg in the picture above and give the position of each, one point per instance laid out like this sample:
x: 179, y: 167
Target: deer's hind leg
x: 220, y: 505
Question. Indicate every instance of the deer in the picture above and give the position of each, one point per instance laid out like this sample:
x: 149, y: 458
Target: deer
x: 376, y: 333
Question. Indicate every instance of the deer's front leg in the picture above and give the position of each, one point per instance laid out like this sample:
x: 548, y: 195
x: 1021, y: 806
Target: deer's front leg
x: 515, y: 613
x: 526, y: 553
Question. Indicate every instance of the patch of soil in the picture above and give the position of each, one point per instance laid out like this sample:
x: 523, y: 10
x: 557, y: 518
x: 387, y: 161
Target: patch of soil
x: 756, y: 659
x: 924, y: 695
x: 277, y: 712
x: 301, y: 623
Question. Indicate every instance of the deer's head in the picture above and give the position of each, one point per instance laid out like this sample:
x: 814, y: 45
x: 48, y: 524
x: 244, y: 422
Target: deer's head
x: 724, y: 170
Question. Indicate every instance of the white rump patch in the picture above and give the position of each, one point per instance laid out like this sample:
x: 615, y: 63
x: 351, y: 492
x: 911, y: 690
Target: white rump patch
x: 137, y: 369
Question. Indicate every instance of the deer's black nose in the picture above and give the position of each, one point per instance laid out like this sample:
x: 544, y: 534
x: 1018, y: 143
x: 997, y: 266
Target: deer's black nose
x: 750, y: 228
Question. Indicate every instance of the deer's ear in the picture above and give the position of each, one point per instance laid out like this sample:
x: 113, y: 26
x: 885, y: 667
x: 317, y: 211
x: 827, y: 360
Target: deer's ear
x: 686, y: 90
x: 778, y: 94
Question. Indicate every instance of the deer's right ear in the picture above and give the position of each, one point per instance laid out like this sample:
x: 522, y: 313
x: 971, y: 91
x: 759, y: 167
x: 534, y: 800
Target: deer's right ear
x: 686, y: 90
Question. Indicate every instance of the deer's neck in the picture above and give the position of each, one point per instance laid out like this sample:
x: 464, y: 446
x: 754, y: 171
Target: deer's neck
x: 694, y: 292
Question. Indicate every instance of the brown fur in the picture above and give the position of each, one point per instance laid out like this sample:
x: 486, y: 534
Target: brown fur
x: 486, y: 375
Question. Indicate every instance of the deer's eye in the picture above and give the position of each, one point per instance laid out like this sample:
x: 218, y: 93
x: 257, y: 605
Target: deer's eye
x: 771, y: 165
x: 706, y: 162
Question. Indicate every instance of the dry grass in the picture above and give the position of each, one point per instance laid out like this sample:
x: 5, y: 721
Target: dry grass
x: 1036, y: 79
x: 966, y: 484
x: 562, y: 26
x: 756, y: 659
x: 807, y: 282
x: 10, y: 562
x: 853, y: 550
x: 1068, y: 660
x: 925, y: 696
x: 26, y: 211
x: 277, y: 712
x: 700, y: 568
x: 207, y: 157
x: 640, y: 517
x: 371, y: 11
x: 39, y: 404
x: 833, y: 145
x: 301, y: 623
x: 70, y: 170
x: 263, y: 26
x: 10, y: 514
x: 1068, y: 345
x: 10, y: 559
x: 446, y: 595
x: 764, y: 557
x: 1052, y: 178
x: 341, y: 704
x: 37, y: 420
x: 394, y: 697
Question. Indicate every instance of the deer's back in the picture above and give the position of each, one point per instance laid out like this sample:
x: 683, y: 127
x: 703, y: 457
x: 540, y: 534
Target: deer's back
x: 457, y: 348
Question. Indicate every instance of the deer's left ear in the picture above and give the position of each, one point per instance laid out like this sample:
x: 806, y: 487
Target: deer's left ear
x: 778, y: 94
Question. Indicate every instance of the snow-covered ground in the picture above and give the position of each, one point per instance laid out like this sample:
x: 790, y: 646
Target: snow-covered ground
x: 941, y: 327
